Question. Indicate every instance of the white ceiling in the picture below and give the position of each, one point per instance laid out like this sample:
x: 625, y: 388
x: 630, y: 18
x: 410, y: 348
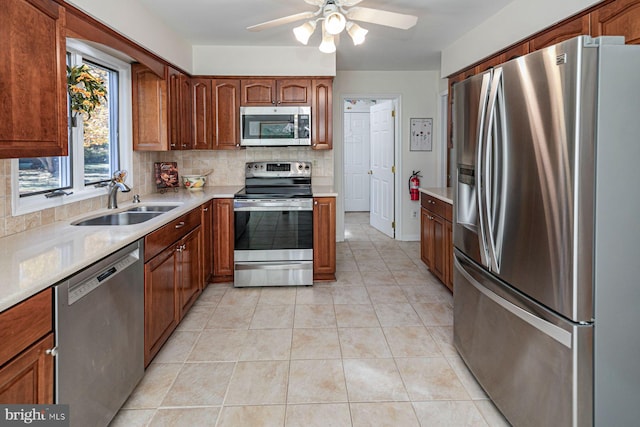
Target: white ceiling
x: 224, y: 22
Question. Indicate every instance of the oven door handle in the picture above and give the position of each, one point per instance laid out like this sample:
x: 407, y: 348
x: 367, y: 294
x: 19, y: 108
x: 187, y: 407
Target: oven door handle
x: 248, y: 205
x: 268, y: 265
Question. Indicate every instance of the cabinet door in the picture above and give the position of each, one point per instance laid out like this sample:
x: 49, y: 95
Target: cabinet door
x: 448, y: 245
x: 293, y: 92
x: 190, y: 249
x: 33, y: 80
x: 223, y: 239
x: 207, y: 241
x: 258, y: 92
x: 617, y: 18
x: 201, y: 106
x: 564, y: 31
x: 322, y: 114
x: 179, y: 110
x: 324, y: 238
x: 227, y: 114
x: 426, y: 239
x: 440, y: 248
x: 28, y: 379
x: 149, y: 108
x: 161, y: 311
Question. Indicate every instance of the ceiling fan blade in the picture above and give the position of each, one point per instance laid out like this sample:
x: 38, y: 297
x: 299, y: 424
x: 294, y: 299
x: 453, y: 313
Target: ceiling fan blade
x: 382, y: 17
x: 281, y: 21
x: 315, y: 2
x: 347, y: 3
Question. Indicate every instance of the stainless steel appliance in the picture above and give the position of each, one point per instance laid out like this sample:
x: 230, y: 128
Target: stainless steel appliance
x: 275, y: 126
x: 546, y: 233
x: 273, y: 228
x: 100, y: 336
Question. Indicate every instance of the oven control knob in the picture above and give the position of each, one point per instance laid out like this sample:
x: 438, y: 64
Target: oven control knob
x: 300, y: 166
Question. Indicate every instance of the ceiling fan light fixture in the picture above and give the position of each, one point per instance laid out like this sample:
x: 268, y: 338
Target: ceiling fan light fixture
x: 327, y: 45
x: 304, y: 31
x: 334, y: 23
x: 356, y: 32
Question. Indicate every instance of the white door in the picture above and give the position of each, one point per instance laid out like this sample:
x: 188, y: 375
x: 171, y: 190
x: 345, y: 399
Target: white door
x: 382, y: 213
x: 356, y: 162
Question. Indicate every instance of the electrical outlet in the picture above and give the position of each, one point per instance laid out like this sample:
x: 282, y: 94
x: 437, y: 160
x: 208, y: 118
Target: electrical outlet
x: 414, y: 214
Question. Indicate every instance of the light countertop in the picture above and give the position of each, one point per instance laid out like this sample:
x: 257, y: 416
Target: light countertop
x: 35, y: 259
x: 443, y: 193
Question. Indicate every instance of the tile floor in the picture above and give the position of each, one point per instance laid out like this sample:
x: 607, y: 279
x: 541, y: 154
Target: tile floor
x: 371, y: 349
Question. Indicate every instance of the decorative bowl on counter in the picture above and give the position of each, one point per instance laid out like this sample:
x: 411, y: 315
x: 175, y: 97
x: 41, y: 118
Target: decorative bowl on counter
x: 194, y: 182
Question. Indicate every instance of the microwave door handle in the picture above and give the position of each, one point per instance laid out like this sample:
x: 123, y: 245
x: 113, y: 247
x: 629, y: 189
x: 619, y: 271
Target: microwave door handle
x: 295, y: 126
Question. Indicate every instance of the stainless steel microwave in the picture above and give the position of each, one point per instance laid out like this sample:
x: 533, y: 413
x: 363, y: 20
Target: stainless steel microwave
x: 275, y: 126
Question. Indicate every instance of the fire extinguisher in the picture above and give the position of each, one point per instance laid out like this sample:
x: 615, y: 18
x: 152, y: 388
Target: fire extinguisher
x: 414, y: 184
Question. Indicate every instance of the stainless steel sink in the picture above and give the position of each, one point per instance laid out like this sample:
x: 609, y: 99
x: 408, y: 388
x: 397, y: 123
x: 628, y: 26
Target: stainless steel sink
x: 152, y: 208
x: 121, y: 218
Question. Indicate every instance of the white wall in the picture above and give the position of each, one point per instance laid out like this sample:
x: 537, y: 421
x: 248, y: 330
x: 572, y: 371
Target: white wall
x: 515, y: 22
x: 262, y: 61
x: 419, y: 98
x: 132, y: 20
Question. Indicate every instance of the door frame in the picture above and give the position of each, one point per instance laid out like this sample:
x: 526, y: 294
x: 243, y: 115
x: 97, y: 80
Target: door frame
x: 397, y: 205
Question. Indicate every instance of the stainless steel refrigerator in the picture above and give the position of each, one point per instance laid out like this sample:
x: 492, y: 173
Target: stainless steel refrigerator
x: 547, y: 233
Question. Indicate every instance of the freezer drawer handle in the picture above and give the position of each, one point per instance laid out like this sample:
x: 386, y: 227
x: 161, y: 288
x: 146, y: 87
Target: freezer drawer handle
x: 558, y: 334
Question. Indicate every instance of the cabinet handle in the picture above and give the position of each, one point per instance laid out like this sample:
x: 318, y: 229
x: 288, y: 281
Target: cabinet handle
x: 179, y: 248
x: 180, y: 224
x: 52, y: 351
x: 315, y: 202
x: 237, y: 145
x: 205, y: 209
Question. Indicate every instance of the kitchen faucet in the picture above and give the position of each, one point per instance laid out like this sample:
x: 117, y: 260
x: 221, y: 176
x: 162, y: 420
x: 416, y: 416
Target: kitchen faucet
x: 117, y: 182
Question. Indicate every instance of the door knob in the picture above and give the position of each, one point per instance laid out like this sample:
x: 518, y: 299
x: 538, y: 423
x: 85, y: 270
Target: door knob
x: 370, y: 172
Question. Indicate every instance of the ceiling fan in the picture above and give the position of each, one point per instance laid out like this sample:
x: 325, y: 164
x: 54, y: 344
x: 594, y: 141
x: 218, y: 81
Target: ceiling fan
x: 336, y: 15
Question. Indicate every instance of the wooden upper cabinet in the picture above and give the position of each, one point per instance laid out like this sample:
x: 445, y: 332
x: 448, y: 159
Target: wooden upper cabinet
x: 180, y: 116
x: 33, y: 79
x: 322, y: 114
x: 203, y: 117
x: 293, y: 92
x: 618, y: 18
x: 515, y: 51
x: 226, y: 98
x: 265, y: 92
x: 258, y: 92
x: 149, y: 108
x: 561, y: 32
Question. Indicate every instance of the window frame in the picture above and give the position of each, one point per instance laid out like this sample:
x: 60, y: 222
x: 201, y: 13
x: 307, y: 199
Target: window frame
x: 38, y: 202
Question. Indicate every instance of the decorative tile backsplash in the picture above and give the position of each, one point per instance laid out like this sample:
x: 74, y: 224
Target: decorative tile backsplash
x: 227, y: 165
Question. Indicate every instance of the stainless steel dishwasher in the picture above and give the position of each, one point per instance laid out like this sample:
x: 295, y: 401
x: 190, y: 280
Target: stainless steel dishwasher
x: 100, y: 336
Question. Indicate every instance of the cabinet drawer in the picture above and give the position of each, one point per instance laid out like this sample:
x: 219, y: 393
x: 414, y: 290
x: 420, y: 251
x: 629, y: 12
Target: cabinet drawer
x: 155, y: 242
x: 24, y: 324
x: 437, y: 206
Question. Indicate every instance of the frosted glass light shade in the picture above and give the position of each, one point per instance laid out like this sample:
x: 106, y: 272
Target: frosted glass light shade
x: 327, y: 45
x: 356, y: 32
x: 334, y: 23
x: 304, y: 31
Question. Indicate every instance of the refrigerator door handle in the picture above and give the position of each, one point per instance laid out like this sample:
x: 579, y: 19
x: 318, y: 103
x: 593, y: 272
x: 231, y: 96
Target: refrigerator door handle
x: 492, y: 168
x: 558, y: 334
x: 480, y: 149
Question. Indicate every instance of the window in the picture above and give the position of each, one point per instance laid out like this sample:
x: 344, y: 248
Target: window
x: 98, y: 146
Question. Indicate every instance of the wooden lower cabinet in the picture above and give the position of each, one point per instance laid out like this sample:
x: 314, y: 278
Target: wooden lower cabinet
x: 207, y: 241
x: 28, y: 379
x: 26, y: 367
x: 436, y: 241
x: 172, y: 279
x: 223, y: 240
x: 324, y: 238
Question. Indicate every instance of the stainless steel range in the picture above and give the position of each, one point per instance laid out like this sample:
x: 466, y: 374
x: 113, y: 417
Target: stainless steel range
x: 273, y: 217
